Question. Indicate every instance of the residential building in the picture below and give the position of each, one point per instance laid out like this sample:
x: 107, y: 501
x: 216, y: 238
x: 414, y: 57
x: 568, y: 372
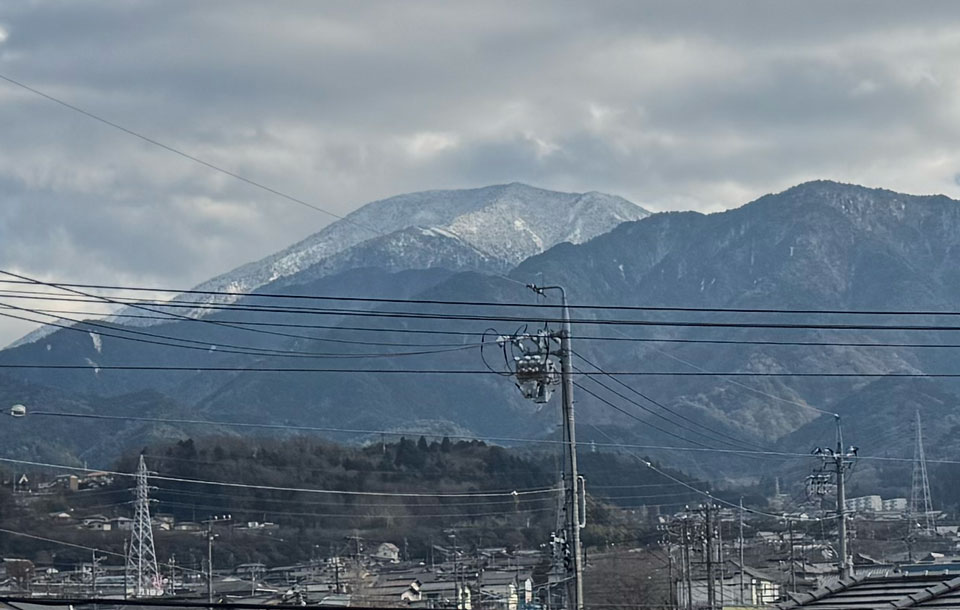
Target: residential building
x: 387, y: 551
x: 901, y: 591
x: 895, y: 504
x: 864, y: 504
x: 759, y: 587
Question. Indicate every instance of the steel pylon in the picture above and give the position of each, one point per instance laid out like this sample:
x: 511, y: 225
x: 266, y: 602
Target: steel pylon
x: 142, y: 573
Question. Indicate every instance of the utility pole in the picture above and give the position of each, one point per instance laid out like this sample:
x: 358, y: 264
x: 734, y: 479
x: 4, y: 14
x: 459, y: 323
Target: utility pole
x: 793, y: 569
x: 566, y: 372
x: 839, y: 460
x: 742, y: 592
x: 172, y: 562
x: 535, y: 373
x: 672, y: 598
x: 336, y: 573
x: 720, y: 554
x: 210, y: 538
x: 685, y: 562
x: 667, y: 544
x: 94, y: 568
x: 708, y: 524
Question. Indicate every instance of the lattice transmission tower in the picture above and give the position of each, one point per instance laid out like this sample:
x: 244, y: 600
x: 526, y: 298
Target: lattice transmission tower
x: 142, y: 574
x: 921, y: 507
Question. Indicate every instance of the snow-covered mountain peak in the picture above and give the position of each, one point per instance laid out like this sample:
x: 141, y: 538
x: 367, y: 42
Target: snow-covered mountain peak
x: 502, y: 224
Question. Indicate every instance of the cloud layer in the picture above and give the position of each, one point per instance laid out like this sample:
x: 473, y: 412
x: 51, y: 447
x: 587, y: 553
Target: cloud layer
x: 679, y: 105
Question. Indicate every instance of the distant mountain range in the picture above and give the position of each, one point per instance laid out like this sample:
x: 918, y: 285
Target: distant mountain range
x: 820, y: 245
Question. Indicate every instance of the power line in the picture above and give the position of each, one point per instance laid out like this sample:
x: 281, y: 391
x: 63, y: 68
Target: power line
x: 426, y: 331
x: 702, y: 492
x: 354, y: 515
x: 673, y: 412
x: 495, y: 318
x: 181, y: 153
x: 398, y: 433
x: 384, y: 371
x: 294, y: 325
x: 207, y: 346
x: 137, y: 306
x: 61, y: 542
x: 158, y: 477
x: 646, y: 308
x: 207, y: 494
x: 217, y: 168
x: 634, y: 417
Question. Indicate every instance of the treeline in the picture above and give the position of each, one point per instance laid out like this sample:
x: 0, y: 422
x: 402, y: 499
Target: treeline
x: 313, y: 495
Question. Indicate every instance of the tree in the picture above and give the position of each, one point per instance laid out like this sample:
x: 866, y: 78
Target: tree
x: 21, y: 571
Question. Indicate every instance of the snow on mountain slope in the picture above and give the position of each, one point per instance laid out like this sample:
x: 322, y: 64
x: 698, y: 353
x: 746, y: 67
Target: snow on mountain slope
x: 496, y: 227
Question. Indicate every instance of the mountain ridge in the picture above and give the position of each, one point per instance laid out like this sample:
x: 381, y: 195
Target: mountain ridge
x: 502, y: 223
x: 808, y: 247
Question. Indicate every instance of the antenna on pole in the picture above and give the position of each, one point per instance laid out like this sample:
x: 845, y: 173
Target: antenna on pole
x: 921, y: 507
x: 142, y: 571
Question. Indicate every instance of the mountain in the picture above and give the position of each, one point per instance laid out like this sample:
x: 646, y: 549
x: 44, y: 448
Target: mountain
x: 819, y: 245
x: 485, y: 229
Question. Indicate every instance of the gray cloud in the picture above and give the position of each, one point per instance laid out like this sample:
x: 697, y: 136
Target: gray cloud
x: 673, y: 105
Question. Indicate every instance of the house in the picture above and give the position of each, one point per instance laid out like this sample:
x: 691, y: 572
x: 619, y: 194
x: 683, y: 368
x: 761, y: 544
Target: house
x: 95, y: 480
x: 387, y: 552
x: 758, y: 588
x: 446, y: 594
x: 392, y: 592
x: 60, y: 517
x: 933, y: 563
x: 97, y: 523
x: 163, y: 522
x: 70, y: 482
x: 121, y: 523
x: 896, y: 591
x: 504, y: 589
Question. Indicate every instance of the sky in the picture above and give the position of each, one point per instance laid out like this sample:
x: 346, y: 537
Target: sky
x: 673, y: 105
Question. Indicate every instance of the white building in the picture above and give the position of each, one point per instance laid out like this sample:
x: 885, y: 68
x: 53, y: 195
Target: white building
x: 895, y: 504
x: 864, y: 504
x: 387, y: 552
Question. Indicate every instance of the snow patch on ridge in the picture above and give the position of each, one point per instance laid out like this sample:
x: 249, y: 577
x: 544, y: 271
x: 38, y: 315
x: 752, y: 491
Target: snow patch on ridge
x: 505, y: 223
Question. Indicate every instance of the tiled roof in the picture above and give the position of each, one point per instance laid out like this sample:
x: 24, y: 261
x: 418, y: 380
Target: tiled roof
x: 891, y: 592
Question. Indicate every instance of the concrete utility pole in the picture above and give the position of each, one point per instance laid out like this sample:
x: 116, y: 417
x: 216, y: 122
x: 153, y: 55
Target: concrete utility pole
x: 535, y: 373
x: 839, y: 460
x: 708, y: 524
x: 672, y: 596
x: 210, y: 538
x: 94, y: 568
x: 793, y: 569
x: 685, y: 585
x: 566, y: 373
x: 742, y: 592
x: 720, y: 554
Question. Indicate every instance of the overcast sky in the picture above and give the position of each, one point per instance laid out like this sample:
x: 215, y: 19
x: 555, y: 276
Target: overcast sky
x: 673, y: 105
